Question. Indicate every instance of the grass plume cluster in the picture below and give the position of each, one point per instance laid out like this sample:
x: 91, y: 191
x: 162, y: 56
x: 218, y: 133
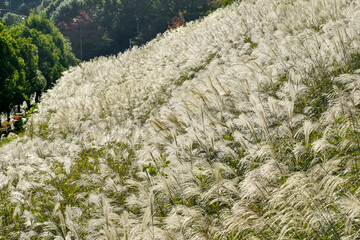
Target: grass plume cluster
x: 244, y: 125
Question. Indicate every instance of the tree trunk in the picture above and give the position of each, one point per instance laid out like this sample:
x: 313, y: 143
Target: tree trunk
x: 8, y: 115
x: 37, y: 96
x: 27, y: 105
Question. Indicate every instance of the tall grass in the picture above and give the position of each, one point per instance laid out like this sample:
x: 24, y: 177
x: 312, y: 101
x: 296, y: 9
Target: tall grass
x: 243, y: 125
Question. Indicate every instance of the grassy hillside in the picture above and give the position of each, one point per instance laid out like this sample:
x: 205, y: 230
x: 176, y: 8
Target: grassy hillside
x: 244, y: 125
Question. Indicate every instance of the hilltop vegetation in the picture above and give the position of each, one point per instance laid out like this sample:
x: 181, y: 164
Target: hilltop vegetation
x: 108, y: 27
x: 243, y: 125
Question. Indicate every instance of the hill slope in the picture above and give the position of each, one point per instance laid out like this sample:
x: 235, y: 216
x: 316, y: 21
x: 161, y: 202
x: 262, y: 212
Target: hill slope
x: 241, y: 126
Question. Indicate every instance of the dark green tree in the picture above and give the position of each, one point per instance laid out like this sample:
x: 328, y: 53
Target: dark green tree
x: 33, y: 55
x: 12, y: 73
x: 112, y: 23
x: 2, y: 4
x: 11, y: 18
x: 54, y: 51
x: 35, y: 82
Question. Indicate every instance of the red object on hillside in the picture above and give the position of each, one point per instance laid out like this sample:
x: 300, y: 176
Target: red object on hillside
x: 5, y: 124
x: 9, y: 126
x: 177, y: 21
x: 17, y: 117
x: 5, y: 128
x: 92, y: 35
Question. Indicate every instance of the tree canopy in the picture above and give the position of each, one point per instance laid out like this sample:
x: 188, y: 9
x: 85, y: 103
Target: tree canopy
x: 111, y: 26
x: 108, y: 26
x: 33, y: 54
x: 12, y: 72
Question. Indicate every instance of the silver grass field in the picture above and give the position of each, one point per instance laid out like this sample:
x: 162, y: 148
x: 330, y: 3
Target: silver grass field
x: 242, y: 125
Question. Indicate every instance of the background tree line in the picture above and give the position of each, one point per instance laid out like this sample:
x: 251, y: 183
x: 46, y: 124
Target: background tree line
x: 33, y: 54
x: 108, y: 26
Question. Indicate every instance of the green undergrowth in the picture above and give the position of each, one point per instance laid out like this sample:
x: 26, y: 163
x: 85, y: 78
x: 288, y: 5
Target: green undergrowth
x: 69, y: 184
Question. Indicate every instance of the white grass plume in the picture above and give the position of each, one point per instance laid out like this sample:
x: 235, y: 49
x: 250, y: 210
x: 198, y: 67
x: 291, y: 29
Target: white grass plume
x: 204, y: 132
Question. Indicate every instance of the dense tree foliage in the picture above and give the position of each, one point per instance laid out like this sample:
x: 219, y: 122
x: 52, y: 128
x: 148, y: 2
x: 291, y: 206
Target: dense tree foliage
x: 110, y: 26
x: 12, y: 72
x: 23, y: 7
x: 33, y: 55
x: 107, y: 27
x: 2, y: 4
x: 11, y: 18
x: 53, y: 49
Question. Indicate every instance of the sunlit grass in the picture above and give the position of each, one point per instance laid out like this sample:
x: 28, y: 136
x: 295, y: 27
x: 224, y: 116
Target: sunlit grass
x: 243, y: 125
